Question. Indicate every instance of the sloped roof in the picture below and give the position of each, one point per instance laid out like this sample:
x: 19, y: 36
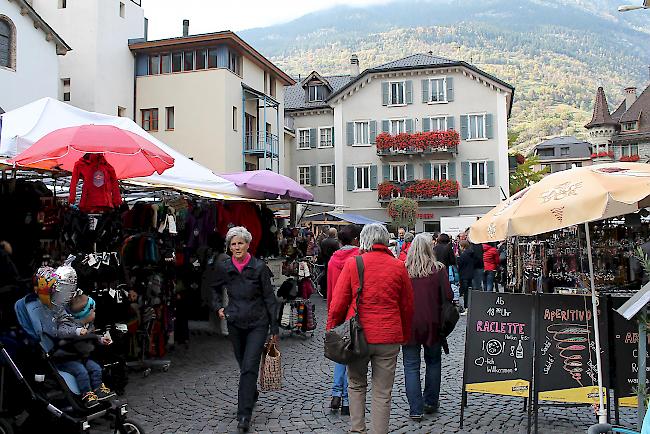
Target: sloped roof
x: 39, y: 23
x: 641, y: 106
x: 295, y: 98
x: 619, y: 111
x: 601, y: 115
x: 413, y: 61
x: 578, y: 149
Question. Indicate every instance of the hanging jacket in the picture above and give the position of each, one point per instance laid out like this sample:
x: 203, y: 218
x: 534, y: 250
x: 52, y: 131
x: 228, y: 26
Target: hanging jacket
x: 100, y: 189
x: 490, y: 257
x: 335, y: 266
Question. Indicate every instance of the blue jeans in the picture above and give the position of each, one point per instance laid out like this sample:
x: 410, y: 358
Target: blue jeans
x: 432, y: 377
x: 87, y: 373
x: 489, y: 281
x: 477, y: 280
x: 340, y: 386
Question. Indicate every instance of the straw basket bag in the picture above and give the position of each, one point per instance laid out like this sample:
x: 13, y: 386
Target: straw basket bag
x: 270, y: 369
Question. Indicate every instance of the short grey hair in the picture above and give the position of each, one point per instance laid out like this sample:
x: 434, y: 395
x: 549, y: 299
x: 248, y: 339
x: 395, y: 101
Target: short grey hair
x: 374, y: 233
x: 238, y: 231
x: 408, y: 237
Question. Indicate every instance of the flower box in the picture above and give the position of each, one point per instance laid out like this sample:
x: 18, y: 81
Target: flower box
x: 423, y: 189
x: 629, y: 158
x: 603, y: 154
x: 427, y: 142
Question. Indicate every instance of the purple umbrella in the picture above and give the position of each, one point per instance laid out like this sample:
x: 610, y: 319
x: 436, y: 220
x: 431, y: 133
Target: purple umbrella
x: 266, y: 181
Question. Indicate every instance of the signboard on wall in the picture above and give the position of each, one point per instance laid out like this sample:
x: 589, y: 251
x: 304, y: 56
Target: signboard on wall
x: 453, y: 226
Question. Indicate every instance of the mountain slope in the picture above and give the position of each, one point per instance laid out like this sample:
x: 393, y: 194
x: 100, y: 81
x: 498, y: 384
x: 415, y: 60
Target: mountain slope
x: 555, y: 52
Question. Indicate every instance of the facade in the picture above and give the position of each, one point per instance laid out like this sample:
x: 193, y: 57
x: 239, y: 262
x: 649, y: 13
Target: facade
x: 424, y: 127
x: 29, y: 55
x: 98, y: 75
x: 562, y: 153
x: 214, y: 98
x: 623, y: 135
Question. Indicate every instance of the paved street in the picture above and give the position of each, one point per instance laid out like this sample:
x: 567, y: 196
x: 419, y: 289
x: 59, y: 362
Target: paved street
x: 199, y: 395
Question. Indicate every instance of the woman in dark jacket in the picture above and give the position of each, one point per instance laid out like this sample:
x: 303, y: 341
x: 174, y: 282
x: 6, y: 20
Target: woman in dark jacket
x: 444, y: 251
x: 465, y: 270
x: 427, y: 275
x: 251, y: 309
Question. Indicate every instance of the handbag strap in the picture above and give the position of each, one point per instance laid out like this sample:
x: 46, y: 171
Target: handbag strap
x: 443, y: 296
x: 360, y: 269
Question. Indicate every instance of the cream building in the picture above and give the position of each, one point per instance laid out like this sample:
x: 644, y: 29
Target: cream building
x: 341, y: 155
x: 98, y: 74
x: 214, y: 98
x: 29, y: 52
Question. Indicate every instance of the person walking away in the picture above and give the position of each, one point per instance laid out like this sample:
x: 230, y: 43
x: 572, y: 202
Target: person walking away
x: 349, y: 238
x: 408, y: 239
x: 444, y: 251
x: 479, y: 271
x: 502, y: 271
x: 251, y: 310
x: 490, y: 263
x: 385, y: 313
x: 401, y: 234
x: 327, y: 248
x: 465, y: 272
x: 427, y: 276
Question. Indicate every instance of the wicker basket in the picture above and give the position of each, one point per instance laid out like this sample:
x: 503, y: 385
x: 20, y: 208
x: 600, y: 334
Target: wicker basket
x: 271, y: 369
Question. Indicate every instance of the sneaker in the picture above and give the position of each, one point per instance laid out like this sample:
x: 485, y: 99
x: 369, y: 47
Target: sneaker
x: 103, y: 392
x: 336, y: 403
x: 90, y: 399
x: 430, y: 409
x: 416, y: 417
x: 464, y: 313
x: 345, y: 410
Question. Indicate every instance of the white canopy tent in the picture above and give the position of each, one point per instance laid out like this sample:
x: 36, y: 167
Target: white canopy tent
x: 22, y: 127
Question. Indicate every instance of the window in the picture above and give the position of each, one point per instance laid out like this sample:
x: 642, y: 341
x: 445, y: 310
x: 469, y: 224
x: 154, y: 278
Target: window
x: 396, y: 126
x: 439, y: 171
x: 122, y: 10
x: 63, y: 4
x: 303, y: 175
x: 235, y: 117
x: 303, y: 138
x: 362, y: 177
x: 548, y: 152
x: 362, y: 133
x: 7, y: 43
x: 317, y: 93
x: 188, y: 61
x: 325, y: 137
x: 154, y: 64
x: 478, y: 174
x: 150, y: 119
x: 564, y: 151
x: 432, y: 227
x: 327, y: 174
x: 65, y: 88
x: 396, y: 95
x: 630, y: 126
x: 272, y: 86
x: 169, y: 118
x: 121, y: 111
x: 628, y: 150
x: 398, y: 172
x: 201, y: 59
x: 439, y: 123
x: 476, y: 128
x: 438, y: 90
x: 166, y: 63
x: 233, y: 62
x: 212, y: 58
x: 249, y: 166
x: 177, y: 61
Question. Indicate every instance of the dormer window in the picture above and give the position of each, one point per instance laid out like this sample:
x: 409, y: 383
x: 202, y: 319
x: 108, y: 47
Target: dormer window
x: 630, y: 126
x: 316, y: 93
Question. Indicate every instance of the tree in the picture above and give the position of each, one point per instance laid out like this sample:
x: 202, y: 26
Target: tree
x: 403, y: 212
x: 525, y: 174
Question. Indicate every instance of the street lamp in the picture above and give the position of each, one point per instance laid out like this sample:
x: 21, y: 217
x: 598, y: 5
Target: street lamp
x: 625, y: 8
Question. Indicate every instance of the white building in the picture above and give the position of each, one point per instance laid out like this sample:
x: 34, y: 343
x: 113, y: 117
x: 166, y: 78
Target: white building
x: 99, y: 74
x: 340, y: 154
x: 29, y: 51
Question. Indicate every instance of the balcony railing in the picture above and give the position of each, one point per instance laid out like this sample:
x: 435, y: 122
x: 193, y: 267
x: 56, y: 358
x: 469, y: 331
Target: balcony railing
x: 419, y: 143
x: 258, y: 143
x: 425, y: 190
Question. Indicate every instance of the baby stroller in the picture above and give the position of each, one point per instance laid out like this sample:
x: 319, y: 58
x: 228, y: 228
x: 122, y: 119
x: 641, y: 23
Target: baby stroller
x: 43, y: 396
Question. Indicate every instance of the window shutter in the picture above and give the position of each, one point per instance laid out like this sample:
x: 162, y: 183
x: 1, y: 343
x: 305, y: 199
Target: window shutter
x: 490, y: 174
x: 410, y: 172
x: 373, y: 177
x: 350, y: 175
x: 350, y: 133
x: 312, y: 175
x: 450, y: 89
x: 384, y: 126
x: 373, y: 132
x: 426, y: 170
x: 384, y: 93
x: 333, y: 174
x: 465, y: 175
x: 451, y: 170
x: 488, y: 126
x: 409, y: 126
x: 426, y: 124
x: 332, y: 136
x: 313, y: 137
x: 425, y: 90
x: 464, y: 127
x: 385, y: 172
x: 450, y: 123
x: 409, y: 91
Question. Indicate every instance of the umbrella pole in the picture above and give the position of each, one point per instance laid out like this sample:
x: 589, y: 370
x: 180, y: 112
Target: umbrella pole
x: 602, y: 416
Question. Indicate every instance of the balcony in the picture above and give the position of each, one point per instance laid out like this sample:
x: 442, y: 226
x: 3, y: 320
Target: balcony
x: 603, y: 157
x: 257, y: 143
x: 422, y: 190
x: 426, y: 143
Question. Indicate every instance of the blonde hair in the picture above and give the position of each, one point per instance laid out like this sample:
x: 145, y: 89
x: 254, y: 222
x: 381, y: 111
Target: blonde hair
x: 420, y: 259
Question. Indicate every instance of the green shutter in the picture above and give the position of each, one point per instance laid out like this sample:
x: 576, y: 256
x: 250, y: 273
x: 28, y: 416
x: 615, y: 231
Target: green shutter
x: 313, y: 174
x: 373, y: 177
x: 450, y: 89
x: 384, y: 126
x: 410, y: 172
x: 373, y: 132
x: 385, y: 172
x: 333, y: 174
x: 350, y: 133
x: 384, y: 93
x: 426, y: 170
x: 426, y: 124
x: 465, y: 175
x: 409, y: 91
x: 409, y: 125
x: 450, y: 123
x: 425, y: 90
x: 313, y: 137
x: 490, y: 174
x: 464, y: 127
x: 488, y: 126
x: 350, y: 175
x: 451, y: 170
x: 332, y: 136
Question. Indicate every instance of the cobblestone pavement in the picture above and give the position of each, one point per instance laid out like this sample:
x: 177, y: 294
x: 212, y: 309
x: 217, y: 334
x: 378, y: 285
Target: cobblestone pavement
x: 199, y: 395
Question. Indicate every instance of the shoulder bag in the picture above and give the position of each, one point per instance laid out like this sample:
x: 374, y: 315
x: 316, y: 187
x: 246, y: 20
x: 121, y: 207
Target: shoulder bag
x: 449, y: 314
x: 347, y: 342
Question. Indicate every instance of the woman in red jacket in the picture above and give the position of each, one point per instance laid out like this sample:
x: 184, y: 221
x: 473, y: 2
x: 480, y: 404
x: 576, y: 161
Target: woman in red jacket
x: 385, y: 312
x: 490, y: 263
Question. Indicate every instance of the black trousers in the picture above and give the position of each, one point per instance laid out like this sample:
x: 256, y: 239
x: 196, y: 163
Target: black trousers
x: 248, y: 345
x: 465, y: 285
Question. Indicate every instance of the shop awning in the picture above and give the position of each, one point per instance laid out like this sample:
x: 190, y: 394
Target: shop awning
x: 353, y: 218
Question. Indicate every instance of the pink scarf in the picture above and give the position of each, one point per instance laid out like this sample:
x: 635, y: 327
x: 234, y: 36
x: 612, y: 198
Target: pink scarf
x: 240, y: 265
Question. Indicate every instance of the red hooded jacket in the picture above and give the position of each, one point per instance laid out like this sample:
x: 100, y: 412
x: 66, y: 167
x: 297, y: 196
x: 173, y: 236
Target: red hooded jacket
x: 335, y: 266
x: 100, y: 190
x: 490, y: 258
x: 386, y: 302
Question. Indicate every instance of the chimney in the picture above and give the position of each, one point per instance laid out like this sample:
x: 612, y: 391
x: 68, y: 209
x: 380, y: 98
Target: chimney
x: 630, y: 96
x: 186, y: 28
x: 354, y: 65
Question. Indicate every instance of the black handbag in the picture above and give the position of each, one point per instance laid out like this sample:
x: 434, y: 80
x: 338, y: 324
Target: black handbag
x: 449, y: 315
x: 347, y: 343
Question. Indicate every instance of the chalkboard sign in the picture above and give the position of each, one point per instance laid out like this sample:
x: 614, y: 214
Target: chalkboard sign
x: 498, y: 344
x: 625, y: 338
x: 566, y: 349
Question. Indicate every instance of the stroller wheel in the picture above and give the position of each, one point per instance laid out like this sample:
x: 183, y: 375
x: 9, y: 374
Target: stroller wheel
x: 130, y: 427
x: 5, y: 427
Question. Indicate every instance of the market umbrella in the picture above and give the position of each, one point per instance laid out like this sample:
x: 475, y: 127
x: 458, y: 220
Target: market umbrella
x: 567, y: 198
x: 130, y: 155
x: 266, y: 181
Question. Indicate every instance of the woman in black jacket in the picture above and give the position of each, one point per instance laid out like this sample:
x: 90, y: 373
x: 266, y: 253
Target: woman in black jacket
x: 251, y: 309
